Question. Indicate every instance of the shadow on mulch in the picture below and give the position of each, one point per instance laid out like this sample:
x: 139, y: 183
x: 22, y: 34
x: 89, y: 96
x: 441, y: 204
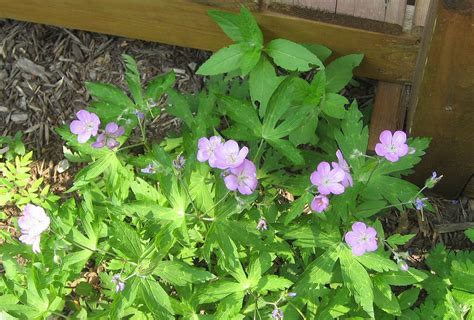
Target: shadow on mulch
x: 42, y: 74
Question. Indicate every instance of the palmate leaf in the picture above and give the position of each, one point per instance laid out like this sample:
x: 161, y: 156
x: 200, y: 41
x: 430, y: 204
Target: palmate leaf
x: 394, y: 190
x: 357, y: 280
x: 125, y: 240
x: 159, y: 85
x: 353, y: 137
x: 273, y: 283
x: 109, y: 93
x: 333, y: 105
x: 243, y: 113
x: 292, y: 56
x: 384, y: 297
x: 403, y: 278
x: 181, y: 274
x: 200, y: 190
x: 377, y: 262
x: 156, y: 299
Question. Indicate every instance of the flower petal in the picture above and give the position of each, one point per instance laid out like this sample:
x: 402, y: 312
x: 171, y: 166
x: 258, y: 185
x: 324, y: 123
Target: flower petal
x: 386, y: 137
x: 324, y: 168
x: 359, y: 227
x: 231, y: 182
x: 399, y: 137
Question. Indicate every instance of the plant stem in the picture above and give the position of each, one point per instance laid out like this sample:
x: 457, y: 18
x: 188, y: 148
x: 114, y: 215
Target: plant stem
x: 259, y: 150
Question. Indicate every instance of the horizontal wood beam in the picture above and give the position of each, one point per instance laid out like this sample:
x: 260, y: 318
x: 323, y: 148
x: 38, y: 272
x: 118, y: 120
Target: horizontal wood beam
x: 186, y: 23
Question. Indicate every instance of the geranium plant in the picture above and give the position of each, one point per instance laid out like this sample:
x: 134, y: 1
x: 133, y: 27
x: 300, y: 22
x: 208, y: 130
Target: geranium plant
x: 265, y: 205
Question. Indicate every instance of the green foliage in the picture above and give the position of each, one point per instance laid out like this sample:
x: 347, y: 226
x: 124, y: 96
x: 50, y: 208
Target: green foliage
x: 146, y: 231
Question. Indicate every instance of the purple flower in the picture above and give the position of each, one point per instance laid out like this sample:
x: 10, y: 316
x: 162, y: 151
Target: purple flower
x: 392, y: 147
x: 242, y: 178
x: 419, y: 204
x: 277, y: 314
x: 229, y: 155
x: 150, y: 169
x: 109, y: 136
x: 342, y: 164
x: 179, y: 163
x: 262, y: 224
x: 328, y: 181
x: 32, y: 223
x: 403, y: 265
x: 361, y: 239
x: 119, y: 284
x: 139, y: 114
x: 319, y: 203
x: 207, y: 149
x: 86, y: 126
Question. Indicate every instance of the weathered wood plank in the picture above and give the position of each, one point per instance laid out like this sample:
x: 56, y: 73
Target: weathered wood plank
x: 186, y: 23
x: 395, y: 12
x: 442, y: 105
x: 323, y: 5
x: 421, y: 10
x: 388, y: 112
x: 370, y: 9
x: 346, y: 7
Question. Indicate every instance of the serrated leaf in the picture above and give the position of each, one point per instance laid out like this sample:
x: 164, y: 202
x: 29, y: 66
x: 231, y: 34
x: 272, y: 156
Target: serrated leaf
x: 357, y: 280
x: 159, y: 85
x: 376, y: 262
x: 109, y: 93
x: 408, y: 297
x: 242, y: 113
x: 218, y: 290
x: 132, y: 76
x: 292, y: 56
x: 320, y: 270
x: 273, y: 283
x: 398, y: 239
x: 155, y: 298
x: 179, y: 107
x: 470, y: 234
x: 353, y: 137
x: 297, y: 207
x: 339, y: 72
x: 288, y: 150
x: 333, y: 105
x: 318, y: 50
x: 404, y: 278
x: 125, y: 239
x: 229, y: 22
x: 181, y: 274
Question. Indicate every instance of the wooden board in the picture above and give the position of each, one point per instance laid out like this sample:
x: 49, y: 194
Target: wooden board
x: 370, y: 9
x: 323, y: 5
x: 395, y: 12
x: 186, y: 23
x: 443, y: 95
x: 388, y: 112
x: 421, y: 10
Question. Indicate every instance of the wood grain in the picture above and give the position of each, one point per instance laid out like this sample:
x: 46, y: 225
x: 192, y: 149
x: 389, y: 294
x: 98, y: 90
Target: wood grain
x: 370, y: 9
x: 388, y: 112
x: 346, y: 7
x: 421, y: 10
x: 395, y: 12
x: 186, y: 23
x: 323, y: 5
x: 442, y: 105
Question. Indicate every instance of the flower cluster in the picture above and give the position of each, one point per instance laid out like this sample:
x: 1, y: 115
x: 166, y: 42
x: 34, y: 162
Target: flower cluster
x: 361, y: 239
x: 33, y: 223
x: 87, y: 126
x: 330, y: 181
x: 240, y: 173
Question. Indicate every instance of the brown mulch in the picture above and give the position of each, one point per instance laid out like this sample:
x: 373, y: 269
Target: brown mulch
x: 42, y: 74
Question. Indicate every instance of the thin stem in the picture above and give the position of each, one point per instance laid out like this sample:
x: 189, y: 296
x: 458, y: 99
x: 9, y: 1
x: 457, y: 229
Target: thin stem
x: 217, y: 203
x: 187, y: 193
x: 297, y: 309
x: 131, y: 146
x: 259, y: 150
x: 142, y: 130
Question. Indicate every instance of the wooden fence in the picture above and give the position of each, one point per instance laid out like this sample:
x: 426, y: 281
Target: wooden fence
x: 439, y: 64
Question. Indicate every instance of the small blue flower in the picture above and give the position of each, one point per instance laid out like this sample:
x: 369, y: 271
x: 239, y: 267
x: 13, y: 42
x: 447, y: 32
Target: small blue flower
x: 119, y: 284
x: 150, y: 169
x: 291, y: 294
x: 419, y: 204
x: 277, y: 314
x: 139, y: 114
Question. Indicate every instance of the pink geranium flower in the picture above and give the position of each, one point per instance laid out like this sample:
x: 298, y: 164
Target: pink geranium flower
x: 319, y: 203
x: 347, y: 181
x: 361, y: 239
x: 328, y: 181
x: 242, y: 178
x: 109, y: 136
x: 32, y: 223
x: 207, y: 149
x: 86, y: 126
x: 392, y: 147
x: 229, y: 155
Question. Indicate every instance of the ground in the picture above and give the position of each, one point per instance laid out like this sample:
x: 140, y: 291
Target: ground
x: 42, y: 74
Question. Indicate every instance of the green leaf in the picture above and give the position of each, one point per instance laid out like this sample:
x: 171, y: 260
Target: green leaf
x: 249, y: 60
x: 159, y: 85
x: 229, y: 22
x: 297, y: 207
x: 132, y: 76
x: 408, y: 297
x: 320, y: 270
x: 320, y: 51
x: 292, y: 56
x: 353, y: 137
x: 263, y: 81
x: 109, y: 93
x: 333, y: 105
x: 339, y: 72
x: 403, y: 278
x: 218, y: 290
x: 94, y: 170
x: 179, y: 107
x: 399, y: 240
x: 384, y: 297
x: 201, y: 191
x: 242, y: 113
x: 470, y: 234
x: 394, y: 190
x: 306, y: 131
x: 376, y: 262
x: 273, y: 283
x: 292, y: 122
x: 288, y: 150
x: 225, y: 60
x: 155, y: 298
x: 125, y: 239
x: 357, y: 280
x: 181, y: 274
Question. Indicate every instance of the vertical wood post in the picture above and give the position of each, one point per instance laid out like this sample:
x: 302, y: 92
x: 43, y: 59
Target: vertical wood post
x: 442, y: 104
